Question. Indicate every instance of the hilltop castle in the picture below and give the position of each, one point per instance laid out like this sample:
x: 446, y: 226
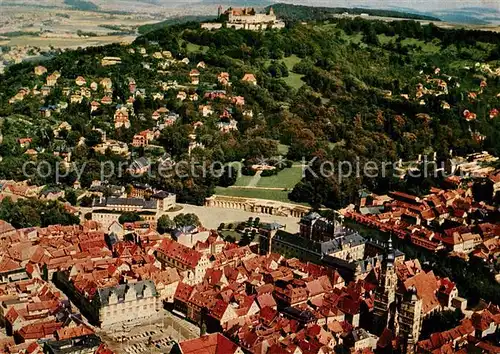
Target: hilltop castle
x: 245, y: 18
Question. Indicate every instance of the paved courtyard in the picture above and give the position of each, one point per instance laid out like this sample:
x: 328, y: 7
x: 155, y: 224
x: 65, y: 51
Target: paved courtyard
x: 211, y: 217
x: 155, y: 336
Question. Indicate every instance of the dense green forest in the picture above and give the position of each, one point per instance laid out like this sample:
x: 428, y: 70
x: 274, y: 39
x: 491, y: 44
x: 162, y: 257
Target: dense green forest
x: 82, y: 5
x: 32, y: 212
x: 346, y: 90
x: 290, y: 12
x: 173, y: 21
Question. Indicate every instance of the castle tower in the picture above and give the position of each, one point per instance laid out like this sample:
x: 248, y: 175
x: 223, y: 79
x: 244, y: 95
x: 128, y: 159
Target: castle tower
x: 271, y: 11
x: 410, y: 316
x: 385, y: 295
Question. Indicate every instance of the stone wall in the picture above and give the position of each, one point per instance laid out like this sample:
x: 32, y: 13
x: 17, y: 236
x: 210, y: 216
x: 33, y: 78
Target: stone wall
x: 255, y: 205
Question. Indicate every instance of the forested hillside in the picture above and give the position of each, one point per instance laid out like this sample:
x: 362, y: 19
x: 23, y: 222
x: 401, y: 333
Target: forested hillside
x: 315, y: 13
x: 344, y: 90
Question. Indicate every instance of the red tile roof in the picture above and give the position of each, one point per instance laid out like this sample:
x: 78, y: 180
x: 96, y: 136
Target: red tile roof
x: 214, y: 343
x: 426, y: 284
x: 482, y: 321
x: 71, y: 332
x: 8, y: 264
x: 39, y: 330
x: 183, y: 292
x: 266, y: 299
x: 180, y: 253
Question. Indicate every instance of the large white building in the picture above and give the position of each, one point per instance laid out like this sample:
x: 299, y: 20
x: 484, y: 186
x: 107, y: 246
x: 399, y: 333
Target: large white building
x: 246, y: 18
x: 113, y: 306
x: 127, y: 304
x: 107, y: 211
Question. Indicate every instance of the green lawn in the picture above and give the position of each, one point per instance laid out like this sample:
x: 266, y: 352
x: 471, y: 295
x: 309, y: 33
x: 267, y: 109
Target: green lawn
x: 281, y: 196
x: 291, y: 61
x: 353, y: 38
x: 287, y: 178
x: 191, y: 48
x: 426, y: 47
x: 385, y: 39
x: 243, y: 181
x: 294, y: 80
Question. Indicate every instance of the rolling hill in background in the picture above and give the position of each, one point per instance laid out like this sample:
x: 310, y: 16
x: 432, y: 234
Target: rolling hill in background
x: 473, y: 12
x: 466, y: 15
x: 224, y: 3
x: 308, y: 13
x: 429, y: 6
x: 475, y: 16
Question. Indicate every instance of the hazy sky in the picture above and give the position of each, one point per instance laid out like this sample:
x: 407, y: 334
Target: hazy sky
x: 422, y: 5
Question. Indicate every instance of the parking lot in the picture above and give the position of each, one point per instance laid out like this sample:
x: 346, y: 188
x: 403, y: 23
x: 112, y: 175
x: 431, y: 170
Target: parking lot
x: 147, y: 344
x: 157, y: 336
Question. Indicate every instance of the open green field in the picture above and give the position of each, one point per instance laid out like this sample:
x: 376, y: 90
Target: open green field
x: 294, y: 80
x: 426, y: 47
x: 291, y: 61
x: 281, y: 196
x: 192, y: 48
x: 287, y: 178
x: 243, y: 181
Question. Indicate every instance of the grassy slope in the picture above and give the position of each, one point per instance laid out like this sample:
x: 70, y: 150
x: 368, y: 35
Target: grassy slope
x: 287, y: 178
x: 293, y: 80
x: 281, y: 196
x: 191, y: 48
x: 243, y: 181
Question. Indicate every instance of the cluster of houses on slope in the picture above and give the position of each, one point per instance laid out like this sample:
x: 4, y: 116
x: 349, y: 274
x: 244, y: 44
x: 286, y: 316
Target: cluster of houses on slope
x: 438, y: 83
x: 91, y: 89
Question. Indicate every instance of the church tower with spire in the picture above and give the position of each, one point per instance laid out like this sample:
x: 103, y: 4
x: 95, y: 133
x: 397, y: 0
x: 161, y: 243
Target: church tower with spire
x: 384, y: 306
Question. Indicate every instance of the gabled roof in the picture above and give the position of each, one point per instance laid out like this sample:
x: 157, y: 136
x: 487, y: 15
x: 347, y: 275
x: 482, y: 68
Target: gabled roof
x: 180, y: 253
x: 266, y: 300
x: 215, y: 343
x: 249, y: 77
x: 121, y: 289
